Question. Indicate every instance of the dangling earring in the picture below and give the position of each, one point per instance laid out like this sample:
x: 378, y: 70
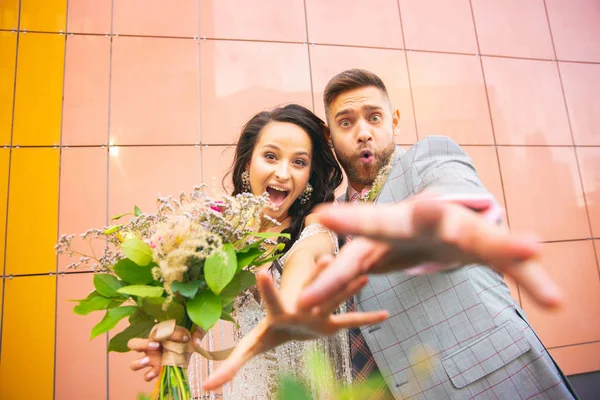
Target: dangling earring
x: 245, y: 181
x: 305, y: 196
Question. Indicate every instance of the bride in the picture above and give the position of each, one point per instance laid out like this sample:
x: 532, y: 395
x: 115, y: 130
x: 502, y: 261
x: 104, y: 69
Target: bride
x: 283, y: 152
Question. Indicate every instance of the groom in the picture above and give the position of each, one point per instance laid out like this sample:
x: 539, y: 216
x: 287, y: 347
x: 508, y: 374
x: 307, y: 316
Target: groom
x: 452, y: 334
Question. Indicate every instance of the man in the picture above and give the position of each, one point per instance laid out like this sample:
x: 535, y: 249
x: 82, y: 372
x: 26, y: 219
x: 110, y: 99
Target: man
x: 452, y: 334
x: 456, y: 334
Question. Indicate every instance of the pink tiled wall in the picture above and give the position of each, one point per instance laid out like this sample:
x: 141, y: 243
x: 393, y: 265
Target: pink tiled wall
x: 142, y: 97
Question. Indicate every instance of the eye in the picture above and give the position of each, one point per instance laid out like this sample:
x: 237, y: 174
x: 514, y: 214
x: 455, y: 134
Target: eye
x: 345, y: 123
x: 270, y: 156
x: 301, y: 162
x: 375, y: 118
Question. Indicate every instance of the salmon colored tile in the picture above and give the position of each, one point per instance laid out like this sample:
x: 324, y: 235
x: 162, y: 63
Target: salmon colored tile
x: 526, y: 102
x: 575, y: 29
x: 123, y: 383
x: 8, y: 62
x: 589, y: 163
x: 137, y: 175
x: 374, y: 23
x: 155, y: 18
x: 449, y: 97
x: 486, y: 163
x: 240, y: 79
x: 578, y: 359
x: 1, y: 298
x: 281, y: 20
x: 85, y: 104
x: 9, y: 14
x: 4, y: 163
x: 38, y: 98
x: 43, y: 15
x: 80, y: 362
x: 389, y: 65
x: 89, y: 16
x: 581, y: 83
x: 83, y: 178
x: 543, y: 192
x: 572, y: 265
x: 216, y: 162
x: 27, y: 367
x: 438, y: 25
x: 154, y: 98
x: 32, y: 211
x: 513, y: 28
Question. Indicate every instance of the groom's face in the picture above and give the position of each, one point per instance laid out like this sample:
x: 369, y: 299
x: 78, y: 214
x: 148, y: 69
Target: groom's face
x: 362, y: 126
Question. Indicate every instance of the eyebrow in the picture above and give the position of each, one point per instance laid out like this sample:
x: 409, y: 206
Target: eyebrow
x: 368, y: 107
x: 298, y: 153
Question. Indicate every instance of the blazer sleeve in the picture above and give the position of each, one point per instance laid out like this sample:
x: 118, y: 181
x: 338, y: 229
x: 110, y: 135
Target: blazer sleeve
x: 441, y: 166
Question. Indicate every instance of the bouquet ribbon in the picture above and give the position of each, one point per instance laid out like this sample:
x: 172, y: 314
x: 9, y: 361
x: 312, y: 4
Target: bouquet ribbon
x: 179, y: 354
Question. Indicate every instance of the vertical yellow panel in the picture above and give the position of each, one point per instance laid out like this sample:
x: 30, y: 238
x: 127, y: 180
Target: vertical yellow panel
x: 38, y: 101
x: 44, y: 15
x: 8, y: 60
x: 32, y: 211
x: 27, y: 367
x: 4, y: 159
x: 9, y: 14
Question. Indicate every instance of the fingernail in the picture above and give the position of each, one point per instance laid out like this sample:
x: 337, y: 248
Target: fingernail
x: 185, y: 338
x: 150, y: 375
x: 153, y: 345
x: 144, y: 360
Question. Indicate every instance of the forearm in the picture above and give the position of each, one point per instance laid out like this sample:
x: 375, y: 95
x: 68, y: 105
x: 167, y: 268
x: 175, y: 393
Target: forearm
x: 300, y: 268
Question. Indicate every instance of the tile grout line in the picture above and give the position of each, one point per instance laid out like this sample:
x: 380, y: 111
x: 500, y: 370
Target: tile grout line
x: 12, y: 126
x: 497, y: 151
x: 412, y: 97
x: 312, y: 89
x: 577, y: 162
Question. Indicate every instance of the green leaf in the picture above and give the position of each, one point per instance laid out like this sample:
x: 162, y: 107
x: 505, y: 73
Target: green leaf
x: 136, y: 211
x: 116, y: 217
x: 205, y: 309
x: 93, y: 303
x: 220, y: 268
x: 137, y: 251
x: 132, y: 273
x: 154, y: 307
x: 142, y: 290
x: 245, y: 258
x: 112, y: 229
x: 188, y: 289
x: 107, y: 285
x: 140, y: 329
x: 240, y: 282
x: 269, y: 235
x: 110, y: 320
x: 225, y: 316
x: 228, y: 308
x: 292, y: 389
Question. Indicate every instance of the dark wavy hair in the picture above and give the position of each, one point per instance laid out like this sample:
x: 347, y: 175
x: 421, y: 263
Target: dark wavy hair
x: 325, y: 174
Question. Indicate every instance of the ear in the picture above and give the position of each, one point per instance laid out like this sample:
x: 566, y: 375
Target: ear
x: 328, y: 136
x: 396, y: 121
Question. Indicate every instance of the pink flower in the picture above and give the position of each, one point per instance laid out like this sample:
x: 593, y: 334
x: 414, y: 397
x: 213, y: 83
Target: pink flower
x: 218, y: 206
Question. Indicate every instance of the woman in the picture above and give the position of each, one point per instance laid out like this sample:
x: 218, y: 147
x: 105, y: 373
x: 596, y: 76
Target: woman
x: 283, y: 152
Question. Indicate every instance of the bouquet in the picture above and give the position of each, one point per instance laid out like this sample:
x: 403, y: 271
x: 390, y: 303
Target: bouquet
x: 181, y: 265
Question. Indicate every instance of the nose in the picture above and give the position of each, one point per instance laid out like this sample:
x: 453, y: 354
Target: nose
x: 282, y: 172
x: 364, y: 132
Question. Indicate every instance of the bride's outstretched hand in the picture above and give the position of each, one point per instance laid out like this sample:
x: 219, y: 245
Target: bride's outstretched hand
x: 286, y: 321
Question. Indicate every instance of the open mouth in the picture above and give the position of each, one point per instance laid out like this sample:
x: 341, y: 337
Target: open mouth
x: 277, y: 195
x: 366, y: 157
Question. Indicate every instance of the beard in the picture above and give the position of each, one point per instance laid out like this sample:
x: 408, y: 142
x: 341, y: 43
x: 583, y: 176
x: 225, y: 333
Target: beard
x: 364, y: 174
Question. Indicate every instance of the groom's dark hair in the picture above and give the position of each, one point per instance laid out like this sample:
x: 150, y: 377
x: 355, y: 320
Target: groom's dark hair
x: 349, y: 80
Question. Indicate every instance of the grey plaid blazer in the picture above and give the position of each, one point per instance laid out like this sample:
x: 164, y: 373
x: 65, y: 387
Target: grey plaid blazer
x: 456, y: 334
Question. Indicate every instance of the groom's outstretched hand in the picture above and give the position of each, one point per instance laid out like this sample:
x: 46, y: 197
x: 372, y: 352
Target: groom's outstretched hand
x: 286, y: 321
x: 424, y: 235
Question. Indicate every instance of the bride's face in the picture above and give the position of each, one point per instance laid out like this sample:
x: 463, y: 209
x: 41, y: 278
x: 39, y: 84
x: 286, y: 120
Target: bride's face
x: 280, y: 165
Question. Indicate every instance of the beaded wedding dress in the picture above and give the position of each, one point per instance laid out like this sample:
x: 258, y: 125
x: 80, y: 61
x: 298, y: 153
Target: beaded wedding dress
x: 258, y: 379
